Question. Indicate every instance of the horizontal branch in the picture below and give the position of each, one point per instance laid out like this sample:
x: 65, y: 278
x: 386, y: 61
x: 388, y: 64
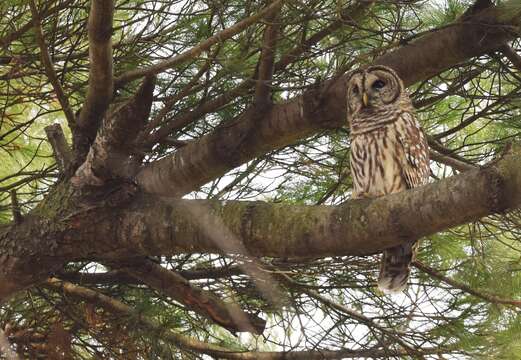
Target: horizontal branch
x: 151, y: 225
x: 354, y: 228
x: 322, y: 107
x: 121, y: 277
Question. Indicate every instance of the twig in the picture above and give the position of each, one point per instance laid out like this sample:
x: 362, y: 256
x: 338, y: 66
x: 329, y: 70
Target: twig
x: 197, y: 50
x: 487, y: 297
x: 189, y: 115
x: 351, y: 313
x: 450, y: 161
x: 17, y: 214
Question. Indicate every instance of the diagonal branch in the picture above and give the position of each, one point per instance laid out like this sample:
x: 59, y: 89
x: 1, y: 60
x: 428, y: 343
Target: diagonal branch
x: 456, y: 284
x: 512, y: 55
x: 450, y: 161
x: 196, y: 51
x: 49, y: 67
x: 117, y: 307
x: 243, y: 139
x: 205, y: 303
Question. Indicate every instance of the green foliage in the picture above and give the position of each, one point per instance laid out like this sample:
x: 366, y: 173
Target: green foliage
x: 484, y: 257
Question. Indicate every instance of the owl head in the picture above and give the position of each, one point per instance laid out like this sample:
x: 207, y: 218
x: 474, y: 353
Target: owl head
x: 373, y: 89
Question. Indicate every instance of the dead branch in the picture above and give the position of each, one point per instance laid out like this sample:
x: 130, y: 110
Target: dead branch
x: 60, y: 148
x: 205, y: 303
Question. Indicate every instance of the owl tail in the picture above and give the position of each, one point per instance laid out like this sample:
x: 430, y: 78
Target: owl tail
x: 394, y: 268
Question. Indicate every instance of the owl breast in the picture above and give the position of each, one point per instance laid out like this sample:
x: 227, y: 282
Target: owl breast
x: 375, y: 164
x: 388, y: 159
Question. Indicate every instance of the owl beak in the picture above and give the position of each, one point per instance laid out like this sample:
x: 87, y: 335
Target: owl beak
x: 365, y: 99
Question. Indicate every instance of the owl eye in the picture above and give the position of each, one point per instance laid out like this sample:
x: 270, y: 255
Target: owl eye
x: 378, y: 84
x: 355, y: 90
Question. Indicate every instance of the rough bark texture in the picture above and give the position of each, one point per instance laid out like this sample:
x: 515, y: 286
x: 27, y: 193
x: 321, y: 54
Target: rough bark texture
x: 114, y: 224
x: 150, y: 225
x: 323, y: 107
x: 108, y: 157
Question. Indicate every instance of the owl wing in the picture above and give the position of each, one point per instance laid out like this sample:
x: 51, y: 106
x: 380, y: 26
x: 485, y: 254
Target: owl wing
x: 414, y: 165
x: 415, y: 161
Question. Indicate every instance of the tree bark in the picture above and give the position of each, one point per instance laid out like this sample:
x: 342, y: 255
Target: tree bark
x: 152, y: 225
x: 323, y: 107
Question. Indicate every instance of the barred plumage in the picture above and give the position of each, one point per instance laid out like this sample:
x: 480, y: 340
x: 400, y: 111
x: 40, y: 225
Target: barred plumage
x: 389, y: 153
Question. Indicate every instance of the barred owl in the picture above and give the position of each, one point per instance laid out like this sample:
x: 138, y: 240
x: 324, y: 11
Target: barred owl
x: 389, y: 153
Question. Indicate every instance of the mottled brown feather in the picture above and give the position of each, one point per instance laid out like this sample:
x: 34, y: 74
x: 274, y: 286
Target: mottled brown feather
x: 389, y: 153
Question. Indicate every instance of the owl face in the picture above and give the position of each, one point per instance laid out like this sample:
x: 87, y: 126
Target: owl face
x: 372, y: 89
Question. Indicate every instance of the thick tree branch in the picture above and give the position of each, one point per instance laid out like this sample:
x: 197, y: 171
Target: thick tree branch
x: 242, y: 140
x: 158, y: 226
x: 356, y: 228
x: 196, y: 51
x: 109, y: 155
x: 205, y: 303
x: 101, y: 82
x: 349, y: 16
